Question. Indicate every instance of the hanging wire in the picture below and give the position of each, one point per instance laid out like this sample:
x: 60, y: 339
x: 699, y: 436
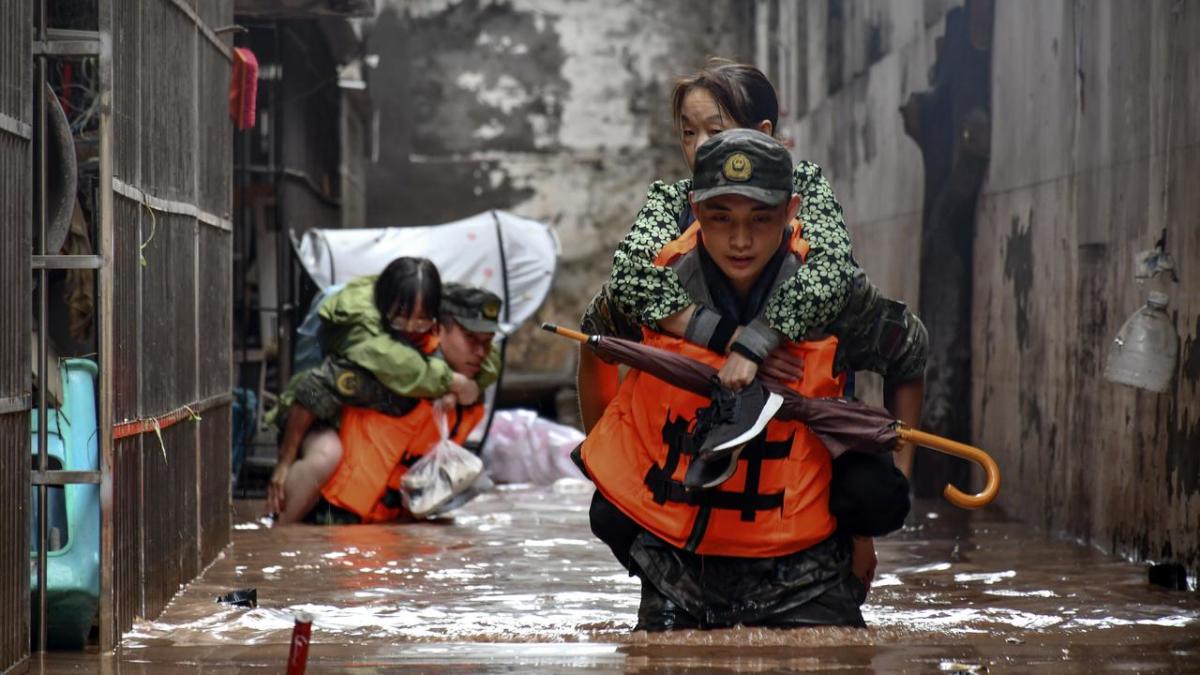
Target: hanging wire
x: 153, y: 227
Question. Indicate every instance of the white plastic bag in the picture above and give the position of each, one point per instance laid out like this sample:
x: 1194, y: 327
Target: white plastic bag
x: 524, y: 448
x: 444, y: 472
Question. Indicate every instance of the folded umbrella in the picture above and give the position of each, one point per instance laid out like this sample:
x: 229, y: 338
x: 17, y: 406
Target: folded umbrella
x: 842, y: 424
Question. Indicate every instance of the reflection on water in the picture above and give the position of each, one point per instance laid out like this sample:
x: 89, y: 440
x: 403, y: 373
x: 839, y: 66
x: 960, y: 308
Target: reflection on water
x: 516, y: 579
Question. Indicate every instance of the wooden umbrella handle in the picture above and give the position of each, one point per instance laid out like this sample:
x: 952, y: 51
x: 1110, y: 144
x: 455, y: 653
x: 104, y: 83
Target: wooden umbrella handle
x: 964, y: 451
x: 566, y: 332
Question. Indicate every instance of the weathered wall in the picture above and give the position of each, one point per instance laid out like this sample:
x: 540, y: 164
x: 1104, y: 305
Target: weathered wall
x: 1096, y: 118
x: 551, y: 109
x: 859, y: 61
x: 1095, y: 149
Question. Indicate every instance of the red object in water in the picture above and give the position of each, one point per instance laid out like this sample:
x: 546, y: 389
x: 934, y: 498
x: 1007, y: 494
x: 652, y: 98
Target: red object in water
x: 243, y: 88
x: 298, y: 655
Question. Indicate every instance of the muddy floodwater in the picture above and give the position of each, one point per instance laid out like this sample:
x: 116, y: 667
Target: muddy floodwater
x: 514, y: 582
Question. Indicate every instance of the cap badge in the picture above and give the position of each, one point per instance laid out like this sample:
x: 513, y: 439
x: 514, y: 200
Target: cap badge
x: 347, y: 383
x: 738, y: 167
x: 491, y: 310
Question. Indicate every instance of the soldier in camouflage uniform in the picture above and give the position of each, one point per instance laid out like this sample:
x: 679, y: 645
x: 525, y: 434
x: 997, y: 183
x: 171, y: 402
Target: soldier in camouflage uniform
x: 829, y: 293
x: 366, y: 366
x: 468, y: 323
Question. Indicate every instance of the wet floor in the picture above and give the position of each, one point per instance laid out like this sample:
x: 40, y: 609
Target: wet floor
x: 516, y: 583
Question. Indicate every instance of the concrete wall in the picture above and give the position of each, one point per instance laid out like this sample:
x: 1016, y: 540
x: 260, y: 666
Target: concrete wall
x: 1096, y: 118
x: 860, y: 62
x: 1095, y: 149
x: 551, y: 109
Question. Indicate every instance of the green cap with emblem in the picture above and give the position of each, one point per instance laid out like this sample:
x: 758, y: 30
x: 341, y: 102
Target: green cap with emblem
x: 473, y: 308
x: 743, y: 162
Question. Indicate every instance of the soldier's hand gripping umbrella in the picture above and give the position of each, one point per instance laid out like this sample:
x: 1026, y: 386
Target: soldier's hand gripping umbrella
x: 842, y: 424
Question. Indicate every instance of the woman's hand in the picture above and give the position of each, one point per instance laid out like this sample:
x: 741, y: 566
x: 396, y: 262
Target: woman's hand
x: 783, y: 366
x: 464, y: 389
x: 737, y: 372
x: 276, y: 494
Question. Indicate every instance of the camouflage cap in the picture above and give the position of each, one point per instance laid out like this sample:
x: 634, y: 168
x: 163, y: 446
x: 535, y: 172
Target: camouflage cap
x: 743, y: 162
x: 473, y: 308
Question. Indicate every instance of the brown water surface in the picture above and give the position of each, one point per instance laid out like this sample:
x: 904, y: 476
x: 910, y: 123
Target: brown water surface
x: 515, y: 582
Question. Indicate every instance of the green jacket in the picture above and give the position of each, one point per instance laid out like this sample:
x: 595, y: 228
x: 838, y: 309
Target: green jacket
x: 354, y: 330
x: 353, y: 336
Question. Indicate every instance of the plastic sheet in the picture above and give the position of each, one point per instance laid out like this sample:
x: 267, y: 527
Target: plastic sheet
x: 524, y: 448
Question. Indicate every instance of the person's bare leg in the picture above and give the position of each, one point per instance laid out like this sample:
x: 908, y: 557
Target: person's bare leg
x: 322, y: 453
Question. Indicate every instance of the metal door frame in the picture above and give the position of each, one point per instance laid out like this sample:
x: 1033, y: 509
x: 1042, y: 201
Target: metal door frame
x: 96, y: 44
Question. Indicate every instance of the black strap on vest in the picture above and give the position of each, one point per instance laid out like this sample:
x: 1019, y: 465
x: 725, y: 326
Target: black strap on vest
x: 749, y: 501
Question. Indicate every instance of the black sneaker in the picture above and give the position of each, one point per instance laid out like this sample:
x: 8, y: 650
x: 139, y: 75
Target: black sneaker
x: 724, y: 427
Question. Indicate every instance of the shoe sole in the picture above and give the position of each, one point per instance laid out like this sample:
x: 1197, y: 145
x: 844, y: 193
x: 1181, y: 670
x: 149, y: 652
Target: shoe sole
x: 730, y: 460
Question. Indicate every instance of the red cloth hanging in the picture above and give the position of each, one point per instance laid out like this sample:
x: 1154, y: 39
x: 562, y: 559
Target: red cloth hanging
x: 243, y: 88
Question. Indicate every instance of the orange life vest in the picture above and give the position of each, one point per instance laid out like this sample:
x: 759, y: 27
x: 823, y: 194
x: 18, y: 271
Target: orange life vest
x: 378, y: 449
x: 777, y: 501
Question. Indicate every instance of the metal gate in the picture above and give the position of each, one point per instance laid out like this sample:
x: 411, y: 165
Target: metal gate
x: 162, y: 314
x: 16, y: 134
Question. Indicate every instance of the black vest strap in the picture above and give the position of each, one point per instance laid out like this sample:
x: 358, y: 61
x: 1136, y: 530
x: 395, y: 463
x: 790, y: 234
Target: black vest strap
x: 748, y: 501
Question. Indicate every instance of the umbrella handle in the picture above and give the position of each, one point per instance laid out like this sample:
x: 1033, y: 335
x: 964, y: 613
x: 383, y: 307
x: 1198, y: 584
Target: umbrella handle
x: 566, y: 332
x: 963, y: 451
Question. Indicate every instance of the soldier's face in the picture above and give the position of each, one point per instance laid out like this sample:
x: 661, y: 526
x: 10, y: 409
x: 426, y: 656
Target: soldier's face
x: 742, y: 234
x: 465, y: 350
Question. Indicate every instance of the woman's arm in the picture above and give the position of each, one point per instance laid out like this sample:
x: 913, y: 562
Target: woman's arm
x: 402, y: 369
x: 642, y: 290
x: 816, y: 293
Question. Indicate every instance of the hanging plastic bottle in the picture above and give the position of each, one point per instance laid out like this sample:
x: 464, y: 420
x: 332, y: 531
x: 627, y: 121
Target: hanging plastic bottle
x: 1145, y: 350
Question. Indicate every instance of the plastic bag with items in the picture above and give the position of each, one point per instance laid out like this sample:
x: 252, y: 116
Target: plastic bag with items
x: 443, y: 473
x: 481, y: 485
x: 524, y: 448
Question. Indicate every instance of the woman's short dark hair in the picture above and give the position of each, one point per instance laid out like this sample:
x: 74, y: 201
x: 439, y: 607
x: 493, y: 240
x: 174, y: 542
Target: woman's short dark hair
x: 402, y: 282
x: 740, y: 89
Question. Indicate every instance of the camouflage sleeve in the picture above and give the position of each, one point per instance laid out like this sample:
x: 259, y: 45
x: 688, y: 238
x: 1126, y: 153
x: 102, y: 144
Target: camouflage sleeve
x: 314, y: 390
x: 640, y: 288
x: 277, y: 416
x: 603, y: 317
x: 336, y: 383
x: 816, y: 293
x: 879, y: 334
